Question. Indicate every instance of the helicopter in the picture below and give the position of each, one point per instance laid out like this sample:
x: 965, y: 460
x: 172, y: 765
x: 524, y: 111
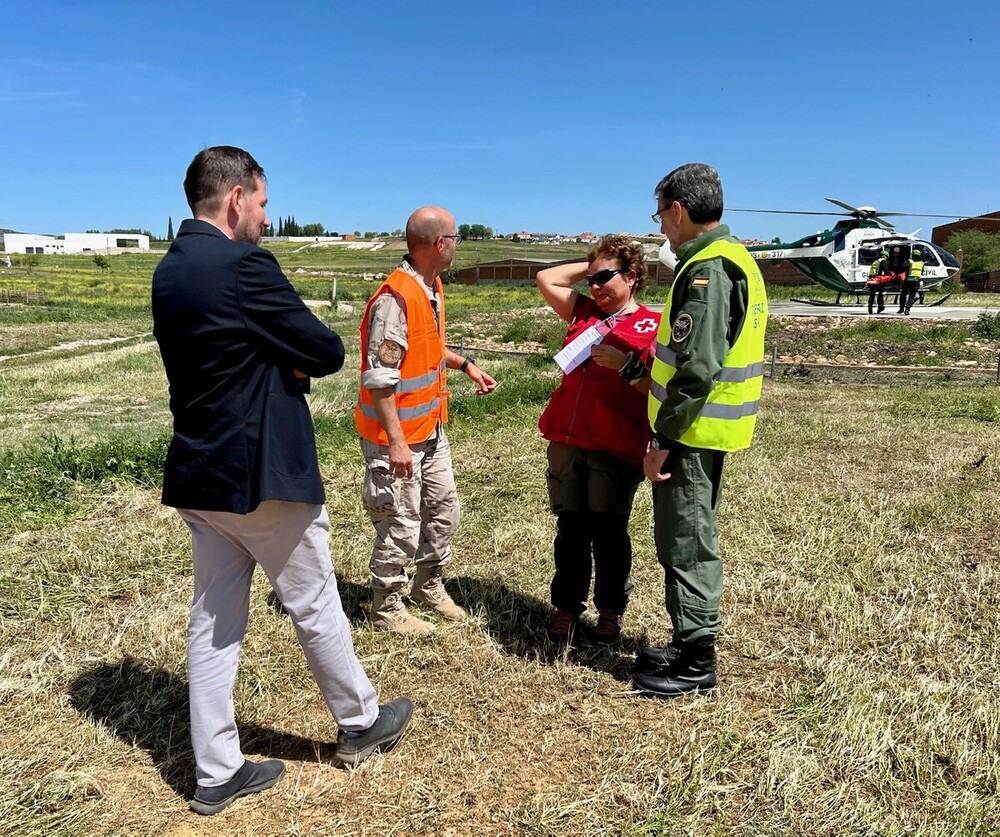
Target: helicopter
x: 839, y: 258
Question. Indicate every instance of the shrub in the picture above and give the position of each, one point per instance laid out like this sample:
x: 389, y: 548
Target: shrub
x: 987, y: 325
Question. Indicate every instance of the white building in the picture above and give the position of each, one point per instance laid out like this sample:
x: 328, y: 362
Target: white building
x: 74, y: 243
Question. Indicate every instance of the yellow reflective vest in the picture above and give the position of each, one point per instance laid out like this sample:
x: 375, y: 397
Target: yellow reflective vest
x: 727, y: 419
x: 916, y: 269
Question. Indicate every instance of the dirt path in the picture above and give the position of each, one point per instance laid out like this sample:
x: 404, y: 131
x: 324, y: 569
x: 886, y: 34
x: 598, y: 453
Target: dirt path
x: 74, y: 344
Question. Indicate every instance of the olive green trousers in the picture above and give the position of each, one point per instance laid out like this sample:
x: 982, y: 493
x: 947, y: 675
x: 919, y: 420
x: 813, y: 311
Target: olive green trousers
x: 686, y: 531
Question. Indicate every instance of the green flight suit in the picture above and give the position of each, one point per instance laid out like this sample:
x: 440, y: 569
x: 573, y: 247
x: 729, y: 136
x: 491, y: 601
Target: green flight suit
x: 711, y: 305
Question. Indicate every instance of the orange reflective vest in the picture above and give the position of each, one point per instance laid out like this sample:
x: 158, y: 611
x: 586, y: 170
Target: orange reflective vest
x: 421, y: 394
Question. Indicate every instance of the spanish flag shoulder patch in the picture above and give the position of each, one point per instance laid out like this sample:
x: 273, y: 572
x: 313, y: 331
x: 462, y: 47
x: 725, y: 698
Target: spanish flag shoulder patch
x: 700, y: 282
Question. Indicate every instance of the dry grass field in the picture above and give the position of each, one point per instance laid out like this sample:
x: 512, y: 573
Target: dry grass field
x: 859, y: 670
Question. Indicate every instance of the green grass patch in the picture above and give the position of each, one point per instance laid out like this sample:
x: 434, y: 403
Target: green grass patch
x: 40, y: 481
x: 535, y: 330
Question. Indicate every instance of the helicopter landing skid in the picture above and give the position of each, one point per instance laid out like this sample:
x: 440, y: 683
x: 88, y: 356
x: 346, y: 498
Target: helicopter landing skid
x: 820, y: 302
x: 825, y: 303
x: 940, y: 301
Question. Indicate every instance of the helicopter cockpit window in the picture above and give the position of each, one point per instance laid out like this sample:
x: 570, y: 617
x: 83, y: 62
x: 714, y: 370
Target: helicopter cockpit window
x: 947, y: 259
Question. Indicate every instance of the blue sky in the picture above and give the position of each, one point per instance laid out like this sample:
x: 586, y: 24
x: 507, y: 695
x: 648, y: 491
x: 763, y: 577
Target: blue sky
x: 547, y: 116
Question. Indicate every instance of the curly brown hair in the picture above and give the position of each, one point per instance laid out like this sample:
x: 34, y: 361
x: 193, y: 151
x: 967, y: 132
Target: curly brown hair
x: 626, y: 252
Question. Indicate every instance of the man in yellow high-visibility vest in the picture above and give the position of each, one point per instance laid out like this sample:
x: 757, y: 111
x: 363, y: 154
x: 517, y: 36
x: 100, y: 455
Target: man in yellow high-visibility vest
x: 913, y: 270
x: 706, y: 384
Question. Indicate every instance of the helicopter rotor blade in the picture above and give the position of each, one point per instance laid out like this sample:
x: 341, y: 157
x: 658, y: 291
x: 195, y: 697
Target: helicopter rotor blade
x: 922, y: 215
x: 852, y: 209
x: 787, y: 212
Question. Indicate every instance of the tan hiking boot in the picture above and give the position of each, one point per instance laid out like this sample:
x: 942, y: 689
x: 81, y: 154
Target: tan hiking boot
x: 388, y: 613
x: 428, y: 590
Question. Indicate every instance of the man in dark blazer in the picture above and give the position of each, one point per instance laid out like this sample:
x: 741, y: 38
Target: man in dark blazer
x: 239, y: 346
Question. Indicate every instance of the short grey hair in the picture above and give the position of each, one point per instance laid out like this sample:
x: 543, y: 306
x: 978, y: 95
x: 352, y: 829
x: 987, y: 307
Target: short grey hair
x: 696, y: 187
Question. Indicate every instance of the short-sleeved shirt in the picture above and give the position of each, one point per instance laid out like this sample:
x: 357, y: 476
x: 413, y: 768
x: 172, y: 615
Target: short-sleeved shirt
x: 387, y: 323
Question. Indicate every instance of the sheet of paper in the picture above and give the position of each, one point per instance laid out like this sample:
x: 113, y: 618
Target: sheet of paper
x: 578, y: 350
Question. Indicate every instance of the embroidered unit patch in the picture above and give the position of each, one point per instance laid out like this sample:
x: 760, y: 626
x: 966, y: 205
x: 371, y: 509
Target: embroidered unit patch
x: 390, y: 352
x: 682, y: 328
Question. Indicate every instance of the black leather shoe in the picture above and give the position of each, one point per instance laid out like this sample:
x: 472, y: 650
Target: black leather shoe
x: 250, y: 778
x: 692, y: 671
x: 655, y: 659
x: 354, y: 747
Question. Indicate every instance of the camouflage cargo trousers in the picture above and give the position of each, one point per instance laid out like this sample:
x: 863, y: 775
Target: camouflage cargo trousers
x: 414, y: 517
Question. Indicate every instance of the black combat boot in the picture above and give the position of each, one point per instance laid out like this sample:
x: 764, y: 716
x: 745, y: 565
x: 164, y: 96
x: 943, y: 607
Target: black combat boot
x: 656, y: 659
x: 692, y: 671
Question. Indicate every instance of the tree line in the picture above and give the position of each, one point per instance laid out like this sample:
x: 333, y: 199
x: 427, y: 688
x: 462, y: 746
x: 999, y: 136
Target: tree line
x: 288, y: 226
x: 475, y: 231
x: 980, y: 250
x: 119, y: 231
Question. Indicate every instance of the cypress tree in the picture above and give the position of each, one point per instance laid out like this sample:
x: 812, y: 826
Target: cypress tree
x: 170, y: 228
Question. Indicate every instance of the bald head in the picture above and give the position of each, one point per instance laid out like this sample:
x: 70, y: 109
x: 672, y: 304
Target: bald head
x: 431, y: 240
x: 426, y: 225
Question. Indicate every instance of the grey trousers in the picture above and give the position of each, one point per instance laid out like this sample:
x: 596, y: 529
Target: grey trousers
x: 290, y: 542
x: 414, y: 517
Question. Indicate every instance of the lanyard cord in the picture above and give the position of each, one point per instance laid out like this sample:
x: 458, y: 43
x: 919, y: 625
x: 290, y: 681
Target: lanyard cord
x: 612, y: 320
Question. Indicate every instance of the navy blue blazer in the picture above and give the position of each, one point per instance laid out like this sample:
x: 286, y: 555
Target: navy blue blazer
x: 231, y: 329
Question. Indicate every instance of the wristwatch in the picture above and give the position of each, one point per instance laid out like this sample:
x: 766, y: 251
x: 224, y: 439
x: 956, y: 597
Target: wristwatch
x: 633, y: 370
x: 469, y: 361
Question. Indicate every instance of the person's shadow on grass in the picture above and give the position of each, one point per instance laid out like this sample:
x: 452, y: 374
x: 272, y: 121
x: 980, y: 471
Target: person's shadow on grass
x: 520, y: 622
x: 146, y: 706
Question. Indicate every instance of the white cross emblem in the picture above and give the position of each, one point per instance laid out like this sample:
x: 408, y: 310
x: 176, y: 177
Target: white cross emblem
x: 645, y: 325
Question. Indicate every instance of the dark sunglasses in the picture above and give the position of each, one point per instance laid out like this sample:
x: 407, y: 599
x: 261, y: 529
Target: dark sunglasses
x: 602, y: 277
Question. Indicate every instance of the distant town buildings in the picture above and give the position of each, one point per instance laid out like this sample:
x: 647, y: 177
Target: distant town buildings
x: 29, y: 244
x: 559, y: 238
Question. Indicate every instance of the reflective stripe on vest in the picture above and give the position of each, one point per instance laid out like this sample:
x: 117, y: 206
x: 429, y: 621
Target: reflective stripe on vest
x: 421, y: 381
x: 421, y: 393
x: 404, y: 413
x: 727, y: 420
x: 916, y: 270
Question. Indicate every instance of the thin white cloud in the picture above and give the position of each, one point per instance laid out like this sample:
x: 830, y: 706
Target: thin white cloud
x: 53, y: 98
x: 298, y: 105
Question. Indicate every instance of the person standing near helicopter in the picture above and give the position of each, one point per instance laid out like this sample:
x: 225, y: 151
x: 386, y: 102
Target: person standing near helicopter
x: 877, y: 276
x: 706, y: 383
x: 913, y: 269
x: 597, y: 431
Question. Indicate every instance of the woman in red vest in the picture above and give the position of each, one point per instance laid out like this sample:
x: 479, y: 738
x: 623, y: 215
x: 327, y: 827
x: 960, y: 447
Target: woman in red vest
x: 597, y: 430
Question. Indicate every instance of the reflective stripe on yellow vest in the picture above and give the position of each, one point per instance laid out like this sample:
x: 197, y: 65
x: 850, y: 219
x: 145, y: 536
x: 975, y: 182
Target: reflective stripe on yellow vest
x: 916, y: 270
x: 726, y: 421
x: 421, y: 394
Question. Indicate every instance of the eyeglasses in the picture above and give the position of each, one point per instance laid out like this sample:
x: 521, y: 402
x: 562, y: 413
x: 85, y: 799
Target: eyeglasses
x: 456, y: 238
x: 656, y: 216
x: 602, y: 277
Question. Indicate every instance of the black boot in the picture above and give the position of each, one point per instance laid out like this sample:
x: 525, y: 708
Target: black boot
x: 692, y: 671
x: 656, y: 659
